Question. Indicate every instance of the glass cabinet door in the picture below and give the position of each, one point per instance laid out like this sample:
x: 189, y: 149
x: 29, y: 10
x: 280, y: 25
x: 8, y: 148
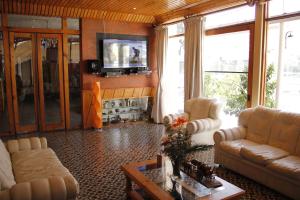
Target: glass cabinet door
x: 51, y: 94
x: 23, y: 75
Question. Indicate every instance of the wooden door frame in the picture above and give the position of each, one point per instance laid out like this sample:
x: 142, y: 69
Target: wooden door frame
x: 8, y: 88
x: 44, y: 125
x: 248, y: 26
x: 66, y: 81
x: 18, y: 126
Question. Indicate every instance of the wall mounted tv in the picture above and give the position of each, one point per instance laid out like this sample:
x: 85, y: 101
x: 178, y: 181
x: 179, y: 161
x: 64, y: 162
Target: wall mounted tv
x: 122, y: 52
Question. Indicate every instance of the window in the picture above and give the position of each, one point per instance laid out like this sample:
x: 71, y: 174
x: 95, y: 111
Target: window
x: 283, y: 66
x: 176, y: 29
x: 24, y: 21
x: 73, y: 23
x: 226, y: 58
x: 232, y: 16
x: 281, y: 7
x: 175, y: 68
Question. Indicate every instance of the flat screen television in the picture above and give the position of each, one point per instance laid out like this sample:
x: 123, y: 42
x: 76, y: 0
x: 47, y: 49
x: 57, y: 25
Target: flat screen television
x: 123, y: 53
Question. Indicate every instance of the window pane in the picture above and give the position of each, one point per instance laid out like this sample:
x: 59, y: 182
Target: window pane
x: 50, y: 67
x: 175, y: 75
x: 283, y: 66
x: 73, y: 23
x: 176, y: 29
x: 24, y: 76
x: 74, y: 80
x: 231, y: 16
x: 4, y: 123
x: 226, y: 52
x: 226, y: 72
x: 280, y: 7
x: 24, y: 21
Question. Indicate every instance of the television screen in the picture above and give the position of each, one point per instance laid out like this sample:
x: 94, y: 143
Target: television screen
x: 124, y: 53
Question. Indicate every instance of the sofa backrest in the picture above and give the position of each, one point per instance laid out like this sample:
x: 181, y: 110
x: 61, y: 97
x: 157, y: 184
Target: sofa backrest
x: 297, y: 151
x: 244, y: 116
x: 7, y: 179
x: 200, y: 108
x: 259, y: 124
x: 285, y: 131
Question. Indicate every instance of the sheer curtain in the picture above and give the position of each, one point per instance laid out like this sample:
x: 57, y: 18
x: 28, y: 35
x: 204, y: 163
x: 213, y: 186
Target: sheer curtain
x: 161, y: 43
x: 194, y: 32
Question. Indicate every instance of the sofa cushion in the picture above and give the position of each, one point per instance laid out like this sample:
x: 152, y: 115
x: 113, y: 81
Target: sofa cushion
x: 288, y: 166
x: 285, y: 130
x: 259, y: 124
x: 262, y: 154
x: 36, y: 164
x: 7, y: 179
x: 200, y: 108
x: 234, y: 146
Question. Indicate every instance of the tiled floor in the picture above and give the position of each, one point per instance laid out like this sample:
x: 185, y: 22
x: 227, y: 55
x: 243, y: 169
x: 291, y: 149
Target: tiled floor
x: 94, y: 158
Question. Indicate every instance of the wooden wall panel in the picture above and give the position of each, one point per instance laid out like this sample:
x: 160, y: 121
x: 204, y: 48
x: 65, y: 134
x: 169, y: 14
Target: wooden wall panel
x: 87, y: 97
x: 137, y: 92
x: 89, y: 45
x: 128, y: 92
x: 108, y: 94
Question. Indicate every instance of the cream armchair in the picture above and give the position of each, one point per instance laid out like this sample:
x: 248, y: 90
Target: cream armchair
x: 29, y: 170
x: 203, y: 115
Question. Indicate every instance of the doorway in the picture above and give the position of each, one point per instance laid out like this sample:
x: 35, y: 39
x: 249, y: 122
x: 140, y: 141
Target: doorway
x: 37, y: 81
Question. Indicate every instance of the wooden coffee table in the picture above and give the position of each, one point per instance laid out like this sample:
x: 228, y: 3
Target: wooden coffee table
x: 137, y: 181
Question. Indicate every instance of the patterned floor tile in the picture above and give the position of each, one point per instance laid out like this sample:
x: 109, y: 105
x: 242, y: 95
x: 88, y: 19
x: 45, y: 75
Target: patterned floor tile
x: 94, y: 158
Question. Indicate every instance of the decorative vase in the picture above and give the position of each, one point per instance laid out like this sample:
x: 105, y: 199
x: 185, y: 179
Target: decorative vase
x: 176, y: 167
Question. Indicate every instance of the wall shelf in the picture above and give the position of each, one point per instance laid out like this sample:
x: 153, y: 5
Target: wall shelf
x: 126, y: 111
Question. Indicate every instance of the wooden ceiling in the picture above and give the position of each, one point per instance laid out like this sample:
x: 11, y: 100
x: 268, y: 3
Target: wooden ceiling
x: 144, y: 11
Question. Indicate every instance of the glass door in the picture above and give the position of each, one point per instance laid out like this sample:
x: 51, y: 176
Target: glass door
x: 50, y: 73
x: 226, y: 67
x: 23, y: 76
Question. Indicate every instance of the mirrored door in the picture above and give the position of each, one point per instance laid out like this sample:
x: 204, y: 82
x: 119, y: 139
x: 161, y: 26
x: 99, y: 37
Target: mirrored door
x: 24, y: 85
x: 50, y: 73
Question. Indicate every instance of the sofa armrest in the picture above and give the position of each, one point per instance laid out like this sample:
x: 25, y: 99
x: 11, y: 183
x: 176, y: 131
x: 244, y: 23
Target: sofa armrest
x: 168, y: 119
x: 26, y: 144
x: 230, y: 134
x: 201, y: 125
x: 51, y: 188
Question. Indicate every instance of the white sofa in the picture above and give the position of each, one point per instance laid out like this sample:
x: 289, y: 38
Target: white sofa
x: 264, y: 147
x: 203, y: 115
x: 29, y: 170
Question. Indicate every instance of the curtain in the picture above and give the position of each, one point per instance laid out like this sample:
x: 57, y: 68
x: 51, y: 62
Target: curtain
x: 161, y: 44
x: 193, y: 38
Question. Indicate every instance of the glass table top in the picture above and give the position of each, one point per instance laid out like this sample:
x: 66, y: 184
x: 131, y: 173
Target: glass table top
x: 187, y: 187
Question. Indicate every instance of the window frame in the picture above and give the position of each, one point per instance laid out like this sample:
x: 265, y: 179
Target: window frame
x: 247, y: 26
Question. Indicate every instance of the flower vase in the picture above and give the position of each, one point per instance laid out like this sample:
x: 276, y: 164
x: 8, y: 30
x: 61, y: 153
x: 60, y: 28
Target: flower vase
x: 176, y: 167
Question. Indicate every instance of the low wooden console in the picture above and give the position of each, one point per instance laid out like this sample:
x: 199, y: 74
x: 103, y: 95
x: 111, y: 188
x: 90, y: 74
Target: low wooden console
x: 111, y: 94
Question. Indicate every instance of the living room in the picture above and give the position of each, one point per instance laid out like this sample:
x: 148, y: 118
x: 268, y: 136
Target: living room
x: 150, y: 99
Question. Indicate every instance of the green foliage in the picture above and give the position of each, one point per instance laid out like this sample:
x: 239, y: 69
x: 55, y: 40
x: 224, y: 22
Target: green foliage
x: 270, y: 87
x: 233, y: 88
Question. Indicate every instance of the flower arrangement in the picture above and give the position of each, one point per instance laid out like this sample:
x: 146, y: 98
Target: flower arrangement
x: 176, y: 143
